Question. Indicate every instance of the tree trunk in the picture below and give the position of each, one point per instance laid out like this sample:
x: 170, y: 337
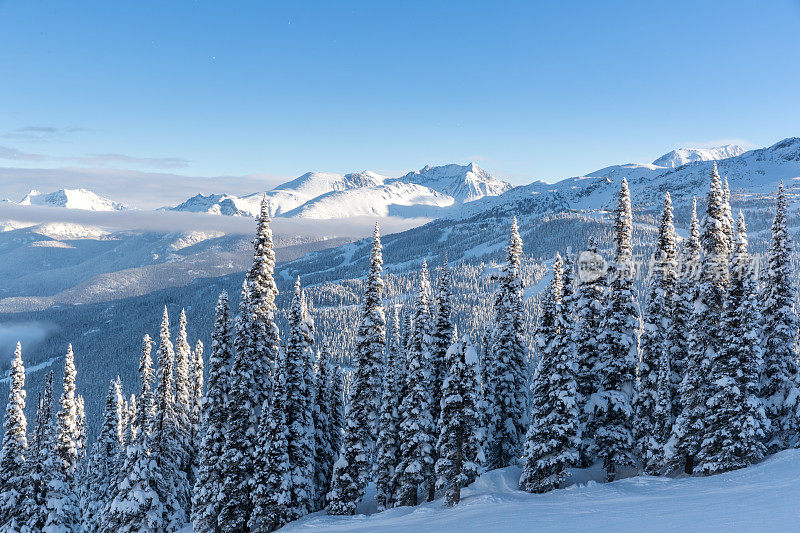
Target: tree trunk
x: 689, y: 466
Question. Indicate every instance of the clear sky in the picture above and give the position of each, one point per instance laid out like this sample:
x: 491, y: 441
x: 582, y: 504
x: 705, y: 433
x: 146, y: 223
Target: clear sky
x: 528, y: 90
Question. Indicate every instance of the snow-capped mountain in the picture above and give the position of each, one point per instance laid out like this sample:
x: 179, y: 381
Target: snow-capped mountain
x: 393, y: 199
x: 465, y: 183
x: 682, y: 156
x: 72, y: 199
x: 427, y: 192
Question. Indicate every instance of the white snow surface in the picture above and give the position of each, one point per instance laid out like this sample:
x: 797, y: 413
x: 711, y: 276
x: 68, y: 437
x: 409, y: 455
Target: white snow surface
x: 763, y: 497
x: 323, y: 195
x: 682, y: 156
x: 72, y: 199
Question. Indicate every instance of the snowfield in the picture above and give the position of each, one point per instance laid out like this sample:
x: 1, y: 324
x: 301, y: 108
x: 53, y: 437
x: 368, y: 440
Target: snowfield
x: 764, y: 497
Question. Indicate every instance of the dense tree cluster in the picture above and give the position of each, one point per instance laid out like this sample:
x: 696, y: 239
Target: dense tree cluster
x: 257, y: 434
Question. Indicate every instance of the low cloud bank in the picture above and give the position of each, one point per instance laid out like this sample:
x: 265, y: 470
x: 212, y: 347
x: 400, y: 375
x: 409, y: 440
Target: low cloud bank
x: 173, y: 221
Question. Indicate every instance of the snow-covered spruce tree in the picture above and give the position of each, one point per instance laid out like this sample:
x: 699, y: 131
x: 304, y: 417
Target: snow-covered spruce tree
x: 683, y: 308
x: 655, y: 344
x: 104, y: 463
x: 728, y: 215
x: 779, y: 376
x: 238, y: 450
x: 351, y: 471
x: 726, y: 444
x: 459, y: 446
x: 441, y: 336
x: 507, y: 366
x: 272, y: 495
x: 619, y: 344
x: 41, y: 447
x: 163, y: 445
x: 264, y: 337
x: 136, y: 505
x: 40, y: 456
x: 389, y: 424
x: 61, y: 500
x: 256, y: 344
x: 337, y: 413
x: 748, y: 343
x: 662, y: 419
x: 415, y: 469
x: 14, y: 480
x: 589, y: 311
x: 324, y: 430
x: 197, y: 393
x: 551, y: 444
x: 181, y: 389
x: 298, y: 411
x: 207, y: 500
x: 704, y: 336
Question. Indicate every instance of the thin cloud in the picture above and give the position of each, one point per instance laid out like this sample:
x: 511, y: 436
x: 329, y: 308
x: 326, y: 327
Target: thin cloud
x: 41, y: 133
x: 111, y: 159
x: 95, y: 160
x: 12, y: 154
x: 172, y: 221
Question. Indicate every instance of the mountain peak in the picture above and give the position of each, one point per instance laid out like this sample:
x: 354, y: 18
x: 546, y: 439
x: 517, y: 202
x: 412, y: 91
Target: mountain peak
x: 683, y: 156
x: 465, y: 183
x: 72, y: 199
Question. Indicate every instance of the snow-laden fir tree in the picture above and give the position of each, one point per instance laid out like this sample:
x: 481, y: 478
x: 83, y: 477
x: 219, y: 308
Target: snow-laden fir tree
x: 662, y: 419
x: 208, y: 493
x: 743, y: 306
x: 40, y: 450
x: 256, y: 347
x: 728, y: 215
x: 325, y: 430
x: 619, y: 344
x: 238, y: 451
x: 551, y: 444
x: 197, y: 395
x: 352, y: 469
x: 181, y: 389
x: 589, y: 310
x: 459, y: 442
x: 272, y: 495
x: 779, y: 376
x: 137, y: 506
x: 734, y: 426
x: 655, y: 344
x: 688, y: 270
x: 705, y: 339
x: 14, y: 480
x: 298, y: 411
x: 167, y: 479
x: 104, y: 463
x: 441, y: 336
x: 389, y: 424
x: 61, y: 500
x: 506, y: 371
x: 415, y: 469
x: 263, y: 335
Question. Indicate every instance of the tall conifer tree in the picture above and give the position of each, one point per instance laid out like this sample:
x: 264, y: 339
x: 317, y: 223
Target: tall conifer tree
x: 351, y: 472
x: 779, y: 377
x: 656, y: 338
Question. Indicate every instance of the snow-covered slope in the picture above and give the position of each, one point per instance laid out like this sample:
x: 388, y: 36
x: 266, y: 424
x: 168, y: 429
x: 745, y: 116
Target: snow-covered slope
x: 763, y: 497
x: 425, y: 192
x: 682, y: 156
x: 313, y: 184
x: 393, y: 199
x: 72, y: 199
x: 464, y: 183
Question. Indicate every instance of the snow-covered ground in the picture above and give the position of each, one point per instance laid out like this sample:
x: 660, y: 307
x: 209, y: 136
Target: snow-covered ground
x: 764, y: 497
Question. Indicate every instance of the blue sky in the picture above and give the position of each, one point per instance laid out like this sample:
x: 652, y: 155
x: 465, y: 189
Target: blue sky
x: 529, y: 90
